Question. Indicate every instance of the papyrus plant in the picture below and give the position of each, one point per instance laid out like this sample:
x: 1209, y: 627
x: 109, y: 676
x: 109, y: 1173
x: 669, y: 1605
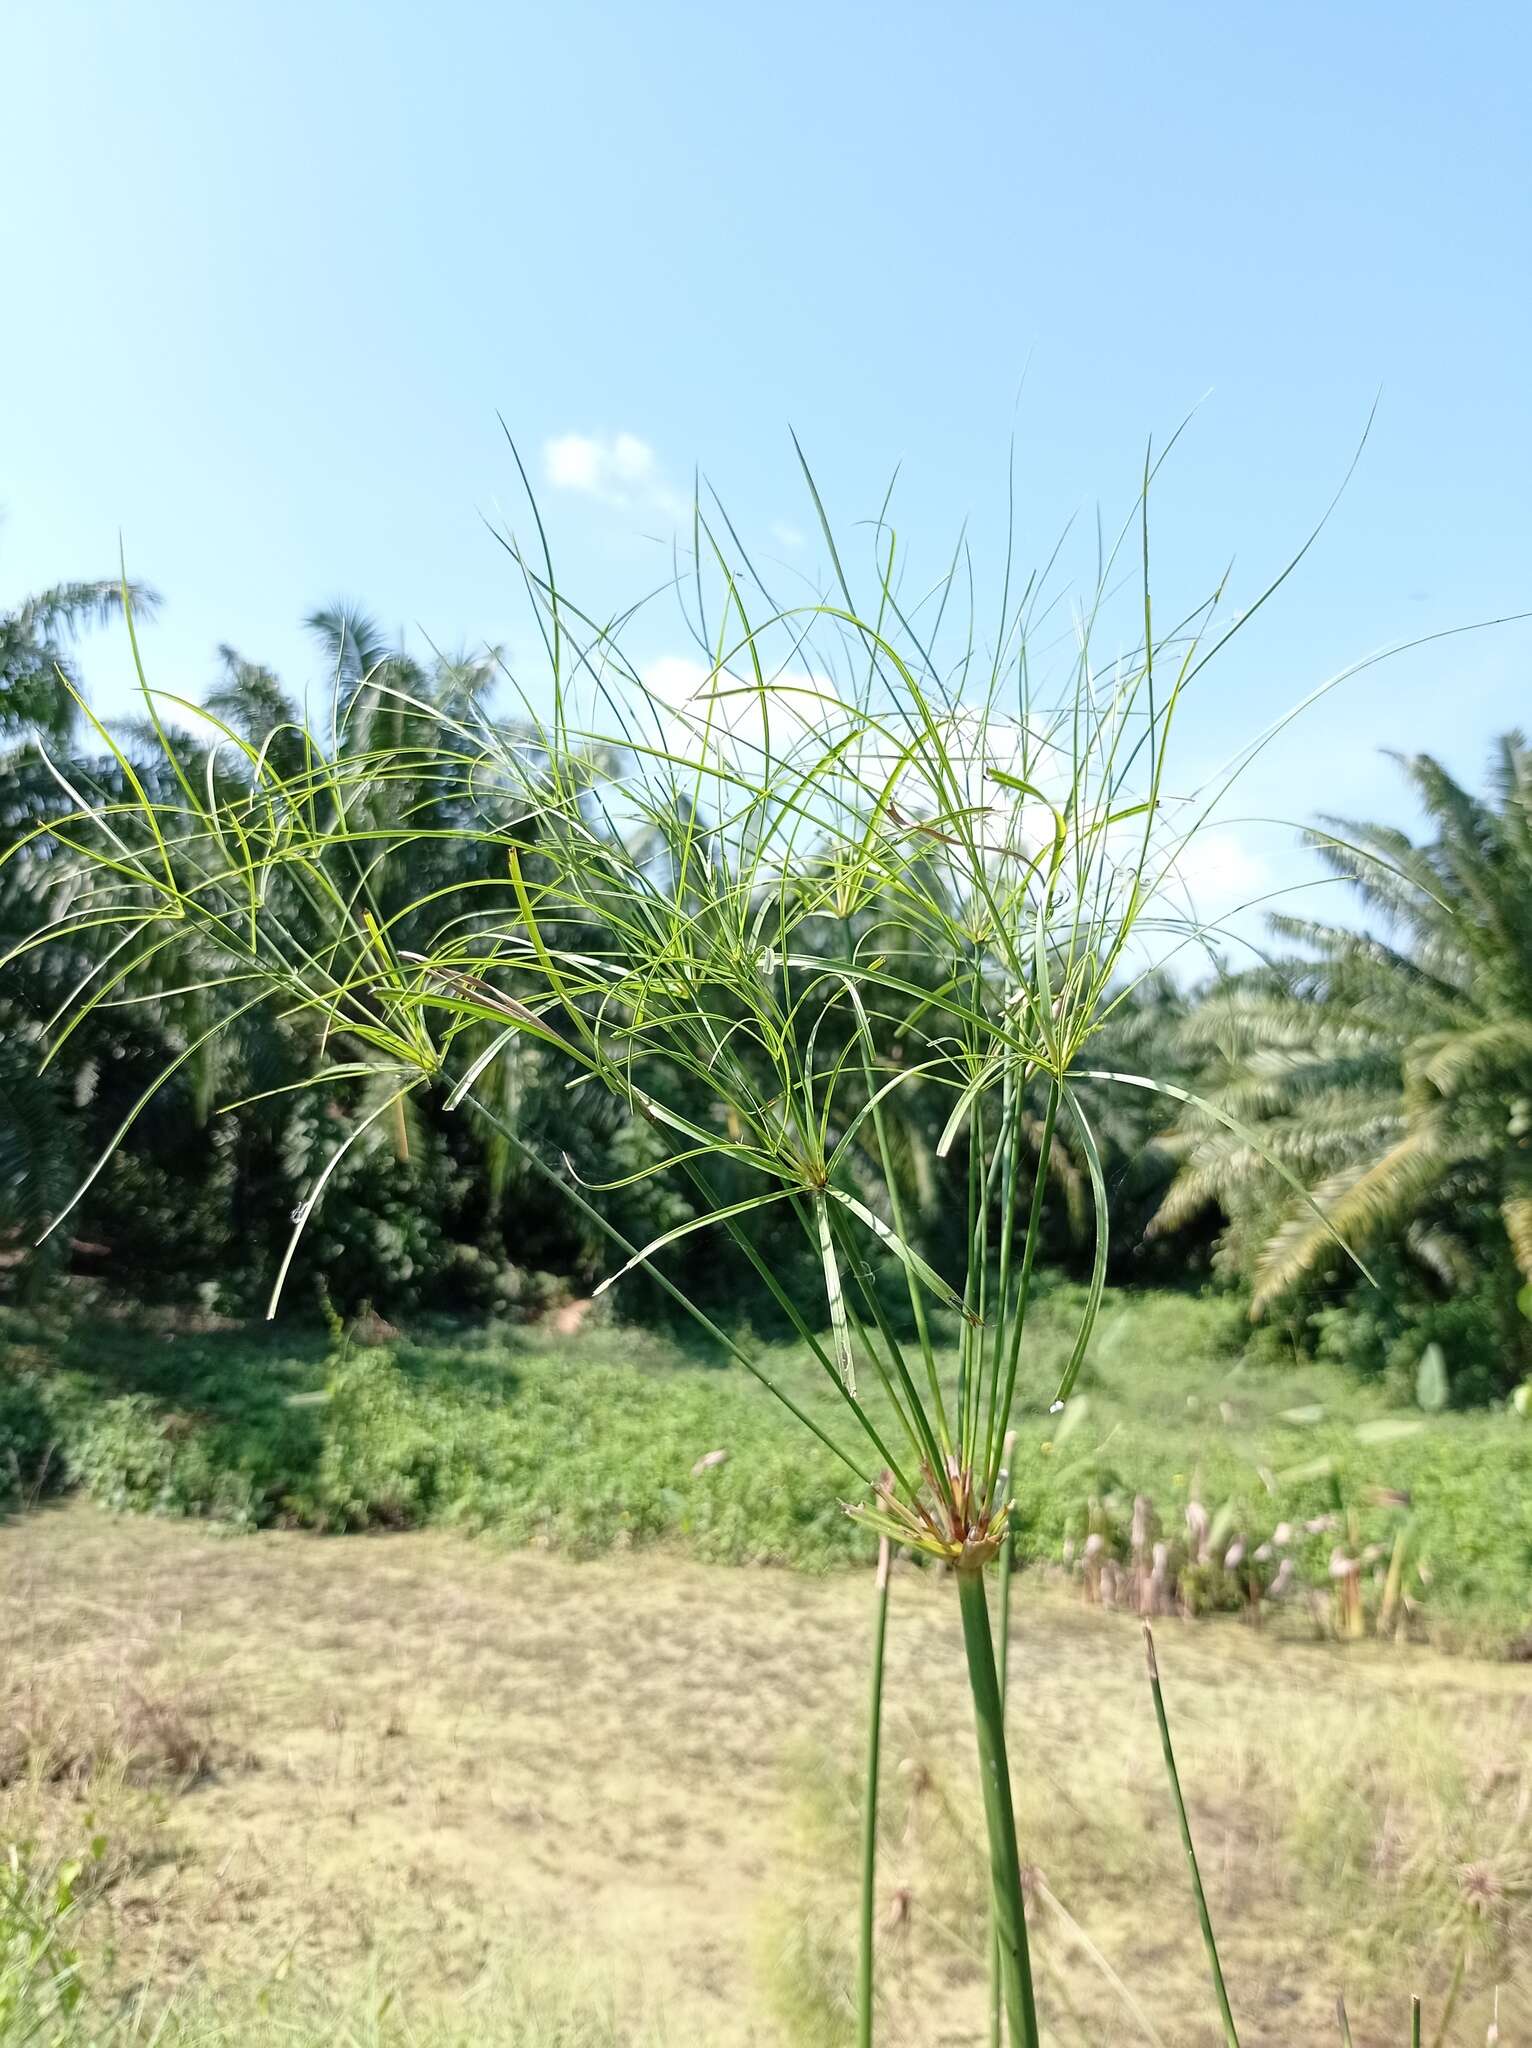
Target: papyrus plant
x: 858, y: 849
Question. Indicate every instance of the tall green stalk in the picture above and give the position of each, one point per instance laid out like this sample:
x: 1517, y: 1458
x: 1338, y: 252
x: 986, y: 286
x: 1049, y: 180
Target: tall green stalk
x: 1002, y: 1664
x: 1007, y: 1562
x: 999, y: 1815
x: 1209, y: 1941
x: 865, y: 1930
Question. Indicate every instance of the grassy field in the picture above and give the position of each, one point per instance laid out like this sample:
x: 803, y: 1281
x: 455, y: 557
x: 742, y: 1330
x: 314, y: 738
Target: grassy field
x: 412, y: 1789
x: 590, y: 1443
x: 590, y: 1781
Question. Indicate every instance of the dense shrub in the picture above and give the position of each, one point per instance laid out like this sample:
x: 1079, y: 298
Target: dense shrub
x: 1382, y: 1331
x: 27, y: 1439
x: 599, y: 1441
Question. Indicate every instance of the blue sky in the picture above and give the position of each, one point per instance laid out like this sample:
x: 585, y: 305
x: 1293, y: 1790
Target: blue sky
x: 276, y: 270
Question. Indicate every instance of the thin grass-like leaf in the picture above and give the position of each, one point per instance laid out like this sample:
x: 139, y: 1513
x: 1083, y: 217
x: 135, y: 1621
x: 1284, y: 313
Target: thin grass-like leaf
x: 1209, y: 1941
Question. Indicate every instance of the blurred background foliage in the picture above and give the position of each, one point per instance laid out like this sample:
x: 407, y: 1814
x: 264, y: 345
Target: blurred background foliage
x: 1386, y: 1061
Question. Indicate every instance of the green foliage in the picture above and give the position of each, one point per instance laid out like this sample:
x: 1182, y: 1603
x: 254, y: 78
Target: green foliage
x: 1258, y: 1445
x: 36, y: 667
x: 590, y: 1443
x: 582, y: 1446
x: 1390, y: 1069
x: 41, y: 1987
x: 195, y: 1206
x: 27, y: 1466
x: 1409, y: 1032
x: 583, y: 1459
x: 1382, y: 1332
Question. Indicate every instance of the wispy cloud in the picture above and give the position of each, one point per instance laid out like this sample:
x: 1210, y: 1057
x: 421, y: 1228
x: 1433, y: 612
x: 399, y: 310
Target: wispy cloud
x: 620, y: 470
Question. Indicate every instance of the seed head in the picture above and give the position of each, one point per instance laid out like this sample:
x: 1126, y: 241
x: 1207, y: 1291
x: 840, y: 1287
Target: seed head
x: 1483, y: 1889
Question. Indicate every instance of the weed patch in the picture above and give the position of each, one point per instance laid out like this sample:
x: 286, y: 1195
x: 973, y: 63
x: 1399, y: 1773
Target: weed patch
x: 615, y: 1438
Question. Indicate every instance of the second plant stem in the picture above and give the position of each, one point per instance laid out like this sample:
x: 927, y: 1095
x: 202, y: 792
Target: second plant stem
x: 1002, y: 1661
x: 870, y: 1805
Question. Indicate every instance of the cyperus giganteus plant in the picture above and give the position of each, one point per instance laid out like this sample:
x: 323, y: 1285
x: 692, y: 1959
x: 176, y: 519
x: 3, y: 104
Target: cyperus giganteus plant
x: 841, y: 862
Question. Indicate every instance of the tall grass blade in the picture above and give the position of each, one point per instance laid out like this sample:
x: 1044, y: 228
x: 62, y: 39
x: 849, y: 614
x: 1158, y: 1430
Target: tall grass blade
x: 868, y: 1902
x: 1208, y: 1939
x: 1002, y: 1662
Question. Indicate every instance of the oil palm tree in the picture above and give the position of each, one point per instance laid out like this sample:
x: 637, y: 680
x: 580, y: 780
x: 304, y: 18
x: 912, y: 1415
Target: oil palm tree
x: 38, y: 1162
x: 37, y: 674
x: 36, y: 662
x: 161, y: 999
x: 1389, y: 1065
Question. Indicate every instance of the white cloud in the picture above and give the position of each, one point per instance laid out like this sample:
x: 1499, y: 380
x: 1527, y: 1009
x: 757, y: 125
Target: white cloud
x: 720, y: 735
x: 632, y: 459
x: 609, y: 467
x: 733, y: 727
x: 735, y: 732
x: 620, y: 470
x: 957, y: 769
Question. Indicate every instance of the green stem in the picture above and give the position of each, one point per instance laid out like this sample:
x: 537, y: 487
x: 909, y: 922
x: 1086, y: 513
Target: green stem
x: 1439, y: 2038
x: 916, y: 1423
x: 1000, y: 1819
x: 870, y: 1805
x: 896, y: 1210
x: 1007, y: 1562
x: 1010, y: 1124
x: 1208, y: 1941
x: 1018, y: 1315
x: 1002, y: 1660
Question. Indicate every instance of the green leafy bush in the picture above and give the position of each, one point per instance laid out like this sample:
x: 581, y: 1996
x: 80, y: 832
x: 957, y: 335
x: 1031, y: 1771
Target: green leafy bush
x: 27, y: 1439
x: 598, y: 1441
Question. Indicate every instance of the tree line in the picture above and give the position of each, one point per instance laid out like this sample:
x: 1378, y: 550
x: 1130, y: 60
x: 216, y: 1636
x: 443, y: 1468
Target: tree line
x: 1371, y: 1080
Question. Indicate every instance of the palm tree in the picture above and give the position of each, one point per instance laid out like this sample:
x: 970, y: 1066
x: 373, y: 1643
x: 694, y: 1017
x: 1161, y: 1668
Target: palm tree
x: 1389, y: 1068
x: 37, y: 673
x: 38, y: 1154
x: 35, y: 658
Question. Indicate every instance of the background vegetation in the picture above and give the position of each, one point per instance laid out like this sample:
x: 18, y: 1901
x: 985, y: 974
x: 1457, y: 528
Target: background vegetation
x: 616, y: 1439
x: 1386, y: 1062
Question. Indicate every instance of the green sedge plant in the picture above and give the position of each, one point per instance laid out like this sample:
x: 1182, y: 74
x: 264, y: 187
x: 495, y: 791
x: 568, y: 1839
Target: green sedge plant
x: 861, y: 846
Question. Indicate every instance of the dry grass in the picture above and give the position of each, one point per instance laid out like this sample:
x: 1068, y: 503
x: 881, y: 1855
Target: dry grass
x: 1364, y: 1819
x: 417, y: 1761
x: 52, y: 1735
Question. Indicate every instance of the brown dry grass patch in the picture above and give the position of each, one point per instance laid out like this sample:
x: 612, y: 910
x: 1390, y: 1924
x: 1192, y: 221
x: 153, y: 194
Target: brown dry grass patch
x: 420, y: 1756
